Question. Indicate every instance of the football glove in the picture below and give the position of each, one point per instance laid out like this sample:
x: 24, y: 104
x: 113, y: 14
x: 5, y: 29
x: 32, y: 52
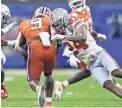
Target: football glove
x: 101, y: 37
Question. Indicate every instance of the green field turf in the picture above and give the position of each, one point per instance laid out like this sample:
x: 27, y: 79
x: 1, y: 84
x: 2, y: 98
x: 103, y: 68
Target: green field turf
x: 86, y: 93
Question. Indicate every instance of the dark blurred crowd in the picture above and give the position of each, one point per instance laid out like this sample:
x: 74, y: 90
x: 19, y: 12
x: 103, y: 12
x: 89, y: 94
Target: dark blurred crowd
x: 115, y: 20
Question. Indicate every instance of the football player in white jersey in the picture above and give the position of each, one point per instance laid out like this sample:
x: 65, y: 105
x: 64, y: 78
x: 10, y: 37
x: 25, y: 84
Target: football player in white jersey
x: 98, y: 61
x: 5, y: 27
x: 82, y: 11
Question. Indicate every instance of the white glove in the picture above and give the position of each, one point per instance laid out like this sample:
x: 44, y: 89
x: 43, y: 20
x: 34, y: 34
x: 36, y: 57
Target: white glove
x: 73, y: 61
x: 9, y: 27
x: 101, y: 37
x: 45, y: 37
x: 11, y: 43
x: 67, y: 52
x: 58, y: 36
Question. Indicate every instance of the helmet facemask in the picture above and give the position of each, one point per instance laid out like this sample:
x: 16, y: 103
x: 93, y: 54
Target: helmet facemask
x: 5, y: 15
x: 5, y: 19
x: 60, y: 20
x: 60, y: 25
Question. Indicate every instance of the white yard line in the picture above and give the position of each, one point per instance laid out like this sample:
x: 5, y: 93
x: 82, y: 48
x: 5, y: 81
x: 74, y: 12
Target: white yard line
x: 22, y: 72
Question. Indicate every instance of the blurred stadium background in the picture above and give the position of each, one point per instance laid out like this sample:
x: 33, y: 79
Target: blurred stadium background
x: 101, y: 11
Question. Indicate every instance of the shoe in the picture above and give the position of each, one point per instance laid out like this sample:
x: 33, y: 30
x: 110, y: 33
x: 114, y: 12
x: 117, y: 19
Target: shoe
x: 3, y: 94
x: 41, y: 95
x: 3, y: 87
x: 48, y: 105
x: 57, y: 90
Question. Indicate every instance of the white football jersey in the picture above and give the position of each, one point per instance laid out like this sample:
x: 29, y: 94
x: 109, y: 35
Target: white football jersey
x: 83, y: 50
x: 90, y: 48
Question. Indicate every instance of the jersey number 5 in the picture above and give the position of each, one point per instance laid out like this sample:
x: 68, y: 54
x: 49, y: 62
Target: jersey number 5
x: 36, y: 23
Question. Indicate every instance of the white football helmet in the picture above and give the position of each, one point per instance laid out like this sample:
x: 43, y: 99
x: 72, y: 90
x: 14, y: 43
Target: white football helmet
x: 5, y: 15
x: 78, y: 5
x: 60, y: 19
x: 42, y: 12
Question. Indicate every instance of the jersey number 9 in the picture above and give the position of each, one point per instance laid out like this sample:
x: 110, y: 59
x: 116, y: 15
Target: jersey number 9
x: 36, y: 23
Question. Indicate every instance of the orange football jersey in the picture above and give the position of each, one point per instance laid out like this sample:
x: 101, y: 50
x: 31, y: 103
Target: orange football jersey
x: 85, y: 15
x: 31, y: 28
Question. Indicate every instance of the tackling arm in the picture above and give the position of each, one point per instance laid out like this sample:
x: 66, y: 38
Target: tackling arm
x: 79, y: 36
x: 93, y: 32
x: 7, y: 42
x: 98, y: 35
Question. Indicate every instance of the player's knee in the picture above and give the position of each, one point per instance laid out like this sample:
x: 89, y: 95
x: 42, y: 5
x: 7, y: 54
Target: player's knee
x: 109, y: 85
x: 81, y: 75
x: 49, y: 78
x: 88, y: 73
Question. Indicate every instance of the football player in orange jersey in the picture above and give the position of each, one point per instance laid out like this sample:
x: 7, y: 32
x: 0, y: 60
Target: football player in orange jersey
x: 41, y: 53
x: 5, y: 27
x: 82, y: 11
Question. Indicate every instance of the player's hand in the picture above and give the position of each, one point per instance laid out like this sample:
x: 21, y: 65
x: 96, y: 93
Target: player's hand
x: 3, y: 42
x: 67, y: 52
x: 58, y: 37
x: 73, y: 61
x: 11, y: 43
x: 101, y: 37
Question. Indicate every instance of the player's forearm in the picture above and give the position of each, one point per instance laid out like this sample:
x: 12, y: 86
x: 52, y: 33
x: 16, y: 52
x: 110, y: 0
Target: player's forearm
x: 7, y: 43
x: 94, y: 33
x: 99, y: 35
x: 76, y: 38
